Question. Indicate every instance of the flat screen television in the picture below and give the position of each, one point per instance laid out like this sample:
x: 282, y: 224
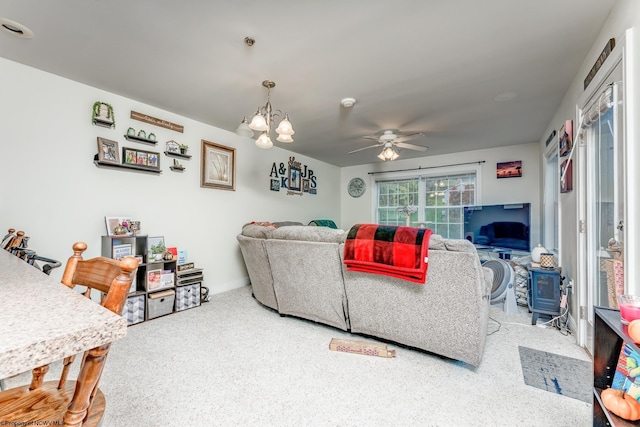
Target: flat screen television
x: 499, y: 226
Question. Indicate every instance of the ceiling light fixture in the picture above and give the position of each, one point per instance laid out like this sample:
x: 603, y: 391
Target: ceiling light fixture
x: 262, y: 121
x: 388, y: 153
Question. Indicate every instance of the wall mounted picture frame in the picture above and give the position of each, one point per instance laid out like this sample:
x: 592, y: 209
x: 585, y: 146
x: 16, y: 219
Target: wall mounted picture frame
x: 295, y: 179
x: 108, y: 151
x: 218, y: 167
x: 565, y: 138
x: 566, y: 184
x: 305, y: 185
x: 275, y: 185
x: 509, y: 169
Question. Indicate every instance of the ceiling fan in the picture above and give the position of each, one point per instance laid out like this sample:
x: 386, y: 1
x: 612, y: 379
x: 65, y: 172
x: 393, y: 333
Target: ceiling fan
x: 389, y: 141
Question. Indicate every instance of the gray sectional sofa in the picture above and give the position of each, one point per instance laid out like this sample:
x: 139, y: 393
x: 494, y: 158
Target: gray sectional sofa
x: 298, y: 271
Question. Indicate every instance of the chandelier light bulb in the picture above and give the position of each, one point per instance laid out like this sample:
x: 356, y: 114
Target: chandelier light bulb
x: 284, y: 138
x: 264, y: 141
x: 244, y: 129
x: 259, y: 123
x: 285, y: 128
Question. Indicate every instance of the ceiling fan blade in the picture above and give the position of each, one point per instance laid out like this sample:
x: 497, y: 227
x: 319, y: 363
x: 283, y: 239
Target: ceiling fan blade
x: 364, y: 148
x: 409, y: 137
x: 411, y: 146
x: 375, y: 138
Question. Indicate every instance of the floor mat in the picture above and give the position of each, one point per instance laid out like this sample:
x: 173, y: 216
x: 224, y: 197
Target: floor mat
x: 558, y: 374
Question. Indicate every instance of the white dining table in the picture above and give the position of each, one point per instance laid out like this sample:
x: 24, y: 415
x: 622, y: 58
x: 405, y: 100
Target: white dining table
x: 42, y: 320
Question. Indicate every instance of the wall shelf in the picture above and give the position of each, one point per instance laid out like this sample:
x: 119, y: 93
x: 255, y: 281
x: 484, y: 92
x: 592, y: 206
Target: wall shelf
x: 140, y: 139
x: 102, y: 163
x: 176, y: 168
x: 180, y: 155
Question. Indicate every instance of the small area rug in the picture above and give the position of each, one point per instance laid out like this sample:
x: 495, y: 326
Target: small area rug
x: 558, y: 374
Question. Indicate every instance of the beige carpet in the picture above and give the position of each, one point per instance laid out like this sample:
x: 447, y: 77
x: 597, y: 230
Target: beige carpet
x: 232, y: 362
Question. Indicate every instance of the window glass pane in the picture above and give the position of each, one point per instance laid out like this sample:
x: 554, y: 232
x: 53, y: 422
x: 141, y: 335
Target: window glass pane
x: 444, y: 196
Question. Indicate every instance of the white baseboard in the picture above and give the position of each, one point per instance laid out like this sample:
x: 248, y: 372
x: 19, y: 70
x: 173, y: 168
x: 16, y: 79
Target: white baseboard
x: 227, y: 286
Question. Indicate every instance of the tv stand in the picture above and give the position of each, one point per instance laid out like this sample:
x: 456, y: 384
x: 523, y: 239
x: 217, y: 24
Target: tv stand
x: 493, y: 252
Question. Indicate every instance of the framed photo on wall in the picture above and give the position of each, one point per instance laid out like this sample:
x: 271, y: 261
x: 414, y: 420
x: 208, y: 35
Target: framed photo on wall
x: 566, y: 184
x: 218, y: 168
x: 108, y: 151
x: 295, y: 179
x: 565, y: 141
x: 509, y: 169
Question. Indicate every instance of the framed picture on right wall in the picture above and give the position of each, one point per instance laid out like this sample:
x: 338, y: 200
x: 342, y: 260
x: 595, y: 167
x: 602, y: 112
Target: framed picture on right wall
x: 566, y: 184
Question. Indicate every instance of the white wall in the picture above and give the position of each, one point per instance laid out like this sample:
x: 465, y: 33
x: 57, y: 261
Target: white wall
x: 492, y: 191
x: 53, y: 191
x: 626, y: 14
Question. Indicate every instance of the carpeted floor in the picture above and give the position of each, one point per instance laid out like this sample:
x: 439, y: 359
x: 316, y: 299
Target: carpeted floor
x: 558, y: 374
x: 232, y: 362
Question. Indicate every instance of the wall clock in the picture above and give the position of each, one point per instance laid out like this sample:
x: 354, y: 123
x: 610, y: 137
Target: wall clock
x: 356, y: 187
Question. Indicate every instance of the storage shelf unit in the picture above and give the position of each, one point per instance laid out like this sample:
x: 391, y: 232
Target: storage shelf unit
x: 153, y: 295
x: 609, y: 336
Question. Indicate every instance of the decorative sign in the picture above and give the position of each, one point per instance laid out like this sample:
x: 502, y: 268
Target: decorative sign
x: 551, y: 136
x: 157, y: 122
x: 603, y: 57
x: 296, y: 178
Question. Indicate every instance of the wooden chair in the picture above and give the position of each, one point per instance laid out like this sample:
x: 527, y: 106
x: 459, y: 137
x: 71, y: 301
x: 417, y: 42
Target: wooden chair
x: 74, y: 403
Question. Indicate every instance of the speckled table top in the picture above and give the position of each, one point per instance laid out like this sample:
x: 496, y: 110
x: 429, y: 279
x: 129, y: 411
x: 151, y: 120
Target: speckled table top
x: 41, y: 320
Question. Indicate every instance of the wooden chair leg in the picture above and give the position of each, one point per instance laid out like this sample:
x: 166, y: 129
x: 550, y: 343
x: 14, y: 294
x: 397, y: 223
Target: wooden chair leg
x: 88, y: 377
x: 65, y: 370
x: 37, y: 377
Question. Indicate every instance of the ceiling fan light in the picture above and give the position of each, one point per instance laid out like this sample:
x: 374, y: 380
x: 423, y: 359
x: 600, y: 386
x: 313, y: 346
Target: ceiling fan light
x: 244, y: 129
x: 259, y: 123
x: 284, y: 138
x: 285, y: 128
x: 264, y: 141
x: 388, y: 154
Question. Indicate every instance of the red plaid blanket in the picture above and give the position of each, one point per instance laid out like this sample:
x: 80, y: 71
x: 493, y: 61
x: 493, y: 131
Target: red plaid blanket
x: 388, y: 249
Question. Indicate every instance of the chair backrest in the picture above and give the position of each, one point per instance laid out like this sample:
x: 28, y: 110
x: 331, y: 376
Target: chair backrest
x: 112, y: 278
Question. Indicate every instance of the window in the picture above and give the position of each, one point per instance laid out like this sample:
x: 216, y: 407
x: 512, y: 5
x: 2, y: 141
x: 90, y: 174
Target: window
x: 439, y: 200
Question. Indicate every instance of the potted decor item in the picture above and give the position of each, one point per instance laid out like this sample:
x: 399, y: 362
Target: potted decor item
x: 102, y: 114
x: 142, y: 134
x: 151, y: 137
x: 183, y: 148
x: 131, y: 132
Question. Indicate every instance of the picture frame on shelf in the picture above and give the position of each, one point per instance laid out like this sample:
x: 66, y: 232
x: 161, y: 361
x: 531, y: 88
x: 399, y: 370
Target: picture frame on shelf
x: 113, y: 221
x: 108, y: 151
x: 173, y: 147
x: 155, y: 248
x: 153, y: 279
x: 152, y: 160
x: 218, y: 168
x: 121, y: 251
x: 141, y: 158
x: 130, y: 156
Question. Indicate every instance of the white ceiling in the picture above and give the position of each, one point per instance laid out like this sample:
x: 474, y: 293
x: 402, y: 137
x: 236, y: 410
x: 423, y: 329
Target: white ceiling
x: 430, y: 66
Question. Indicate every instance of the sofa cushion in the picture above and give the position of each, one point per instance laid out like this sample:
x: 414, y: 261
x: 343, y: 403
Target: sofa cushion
x: 257, y: 231
x: 308, y: 233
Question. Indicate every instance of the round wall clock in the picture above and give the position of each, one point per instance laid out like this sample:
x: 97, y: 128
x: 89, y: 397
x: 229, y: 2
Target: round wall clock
x: 356, y: 187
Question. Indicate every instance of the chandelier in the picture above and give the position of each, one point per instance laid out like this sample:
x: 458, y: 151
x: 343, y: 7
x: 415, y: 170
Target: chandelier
x: 263, y: 120
x: 388, y: 153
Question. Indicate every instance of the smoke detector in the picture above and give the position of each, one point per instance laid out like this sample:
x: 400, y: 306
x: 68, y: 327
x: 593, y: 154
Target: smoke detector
x: 348, y: 102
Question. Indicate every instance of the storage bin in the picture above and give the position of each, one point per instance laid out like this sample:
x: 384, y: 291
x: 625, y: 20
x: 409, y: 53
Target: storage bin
x: 133, y: 310
x: 187, y: 296
x: 160, y: 303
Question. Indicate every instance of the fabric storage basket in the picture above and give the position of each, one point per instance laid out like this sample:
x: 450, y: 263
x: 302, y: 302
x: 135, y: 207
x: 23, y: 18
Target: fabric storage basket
x: 160, y: 303
x: 187, y: 296
x: 133, y: 310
